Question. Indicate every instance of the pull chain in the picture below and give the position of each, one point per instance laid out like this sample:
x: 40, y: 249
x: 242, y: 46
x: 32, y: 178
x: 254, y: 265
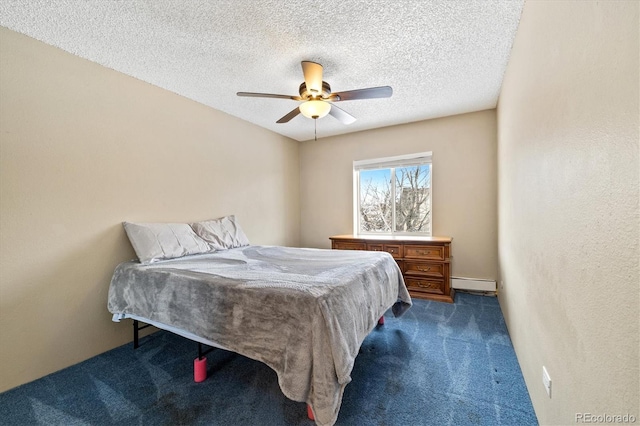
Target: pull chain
x: 315, y: 129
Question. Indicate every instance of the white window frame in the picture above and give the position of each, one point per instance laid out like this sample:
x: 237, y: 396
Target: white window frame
x: 389, y: 163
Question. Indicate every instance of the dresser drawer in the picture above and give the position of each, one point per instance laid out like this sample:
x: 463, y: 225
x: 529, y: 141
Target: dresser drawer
x: 424, y: 252
x: 424, y: 285
x: 347, y: 245
x: 375, y: 247
x: 424, y: 269
x: 394, y: 250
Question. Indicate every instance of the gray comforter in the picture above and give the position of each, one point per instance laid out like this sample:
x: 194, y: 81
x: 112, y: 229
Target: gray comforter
x: 303, y: 312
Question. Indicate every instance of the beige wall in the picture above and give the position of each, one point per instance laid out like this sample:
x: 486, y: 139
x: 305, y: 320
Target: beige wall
x: 568, y: 205
x: 83, y: 148
x: 464, y: 183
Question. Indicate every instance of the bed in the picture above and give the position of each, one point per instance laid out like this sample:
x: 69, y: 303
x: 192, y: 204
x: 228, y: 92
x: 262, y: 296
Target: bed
x: 303, y: 312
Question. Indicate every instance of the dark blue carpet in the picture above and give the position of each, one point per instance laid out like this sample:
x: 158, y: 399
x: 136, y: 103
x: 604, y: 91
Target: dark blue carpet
x: 440, y: 364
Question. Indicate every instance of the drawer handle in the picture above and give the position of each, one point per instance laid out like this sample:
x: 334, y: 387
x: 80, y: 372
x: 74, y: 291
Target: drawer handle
x: 427, y: 252
x: 424, y: 269
x: 392, y: 251
x: 428, y: 285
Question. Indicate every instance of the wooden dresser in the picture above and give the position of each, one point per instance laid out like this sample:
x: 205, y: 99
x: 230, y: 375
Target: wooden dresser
x: 424, y: 261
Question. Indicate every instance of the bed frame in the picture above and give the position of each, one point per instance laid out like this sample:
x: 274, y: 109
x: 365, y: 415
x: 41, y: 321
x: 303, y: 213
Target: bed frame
x: 200, y: 363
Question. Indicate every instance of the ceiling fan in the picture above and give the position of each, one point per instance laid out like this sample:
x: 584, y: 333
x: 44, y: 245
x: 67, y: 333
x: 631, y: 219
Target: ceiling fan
x: 318, y: 99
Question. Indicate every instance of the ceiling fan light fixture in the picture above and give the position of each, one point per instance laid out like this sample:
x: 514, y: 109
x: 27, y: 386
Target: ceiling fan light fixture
x: 315, y: 109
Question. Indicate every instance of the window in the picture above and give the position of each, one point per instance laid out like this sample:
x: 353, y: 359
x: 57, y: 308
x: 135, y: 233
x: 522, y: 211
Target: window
x: 393, y: 195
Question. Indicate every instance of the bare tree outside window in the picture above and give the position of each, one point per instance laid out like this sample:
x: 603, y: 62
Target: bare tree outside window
x: 404, y: 199
x: 376, y: 209
x: 413, y: 199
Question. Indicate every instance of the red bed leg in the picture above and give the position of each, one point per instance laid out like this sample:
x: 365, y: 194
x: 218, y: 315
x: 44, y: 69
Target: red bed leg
x: 200, y: 369
x: 381, y: 321
x: 310, y: 413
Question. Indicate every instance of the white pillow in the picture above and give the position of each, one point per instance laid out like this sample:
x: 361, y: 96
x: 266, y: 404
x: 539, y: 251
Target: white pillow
x: 158, y: 241
x: 223, y: 233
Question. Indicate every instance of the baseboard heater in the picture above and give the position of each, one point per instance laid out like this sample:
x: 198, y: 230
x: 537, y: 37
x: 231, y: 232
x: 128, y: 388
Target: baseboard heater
x: 473, y: 284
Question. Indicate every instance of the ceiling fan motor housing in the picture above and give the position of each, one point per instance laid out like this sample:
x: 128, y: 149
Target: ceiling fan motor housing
x: 308, y: 95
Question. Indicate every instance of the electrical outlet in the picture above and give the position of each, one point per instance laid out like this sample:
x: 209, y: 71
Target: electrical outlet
x: 501, y: 285
x: 546, y: 380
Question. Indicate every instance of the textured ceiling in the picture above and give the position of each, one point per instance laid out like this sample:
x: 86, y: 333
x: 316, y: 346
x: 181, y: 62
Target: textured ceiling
x: 441, y: 57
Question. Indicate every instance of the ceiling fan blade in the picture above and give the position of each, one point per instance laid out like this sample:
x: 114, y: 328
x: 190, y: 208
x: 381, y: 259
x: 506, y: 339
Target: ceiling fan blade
x: 268, y: 95
x: 289, y: 116
x: 312, y: 77
x: 369, y: 93
x: 341, y: 115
